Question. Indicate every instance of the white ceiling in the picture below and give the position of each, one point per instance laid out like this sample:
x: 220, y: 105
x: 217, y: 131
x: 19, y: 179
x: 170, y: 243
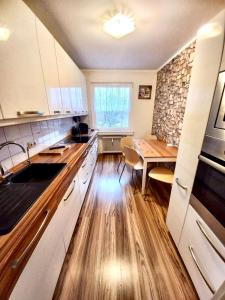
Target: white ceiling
x: 162, y: 27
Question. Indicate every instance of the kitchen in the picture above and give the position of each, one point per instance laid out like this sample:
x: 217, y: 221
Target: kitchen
x: 112, y: 150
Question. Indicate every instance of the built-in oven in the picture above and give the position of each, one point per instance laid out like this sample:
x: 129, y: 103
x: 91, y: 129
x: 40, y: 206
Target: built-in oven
x: 208, y: 194
x: 214, y: 141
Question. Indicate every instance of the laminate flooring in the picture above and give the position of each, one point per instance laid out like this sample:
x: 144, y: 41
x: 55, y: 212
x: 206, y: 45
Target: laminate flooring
x: 121, y: 248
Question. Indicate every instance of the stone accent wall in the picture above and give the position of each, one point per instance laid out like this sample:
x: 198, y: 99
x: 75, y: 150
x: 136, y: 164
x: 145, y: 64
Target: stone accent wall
x: 171, y: 94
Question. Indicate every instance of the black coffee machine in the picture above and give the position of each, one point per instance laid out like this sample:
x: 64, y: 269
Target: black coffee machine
x: 79, y: 128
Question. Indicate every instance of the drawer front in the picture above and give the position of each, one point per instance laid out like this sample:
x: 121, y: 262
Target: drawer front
x: 71, y: 208
x: 204, y: 264
x: 41, y: 272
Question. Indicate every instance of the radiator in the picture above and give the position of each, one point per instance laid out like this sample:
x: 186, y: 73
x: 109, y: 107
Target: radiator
x: 110, y: 144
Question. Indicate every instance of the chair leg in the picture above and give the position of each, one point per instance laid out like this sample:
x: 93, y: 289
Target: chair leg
x: 122, y: 172
x: 147, y: 186
x: 119, y: 163
x: 133, y: 181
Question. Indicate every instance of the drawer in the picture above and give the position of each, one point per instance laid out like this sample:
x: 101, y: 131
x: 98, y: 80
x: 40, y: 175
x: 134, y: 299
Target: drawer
x: 203, y: 262
x: 71, y: 209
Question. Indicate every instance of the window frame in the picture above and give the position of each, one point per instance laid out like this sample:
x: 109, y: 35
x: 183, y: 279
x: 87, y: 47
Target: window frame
x: 93, y: 115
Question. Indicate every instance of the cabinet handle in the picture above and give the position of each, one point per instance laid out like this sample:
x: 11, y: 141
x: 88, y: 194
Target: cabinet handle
x: 191, y: 249
x: 57, y: 111
x: 180, y: 185
x: 209, y: 240
x: 68, y: 111
x: 70, y: 192
x: 85, y: 180
x: 17, y: 261
x: 29, y: 113
x: 85, y: 154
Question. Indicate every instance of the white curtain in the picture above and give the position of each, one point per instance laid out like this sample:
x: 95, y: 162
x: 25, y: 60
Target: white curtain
x: 112, y: 106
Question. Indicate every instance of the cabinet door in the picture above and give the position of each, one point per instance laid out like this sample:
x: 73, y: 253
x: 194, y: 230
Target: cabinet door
x: 207, y: 57
x: 40, y: 275
x: 21, y: 78
x: 68, y: 76
x: 84, y: 94
x: 74, y: 96
x: 49, y: 66
x: 66, y: 100
x: 72, y: 206
x: 204, y: 264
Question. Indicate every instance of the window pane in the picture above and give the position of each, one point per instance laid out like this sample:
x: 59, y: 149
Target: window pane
x: 112, y: 106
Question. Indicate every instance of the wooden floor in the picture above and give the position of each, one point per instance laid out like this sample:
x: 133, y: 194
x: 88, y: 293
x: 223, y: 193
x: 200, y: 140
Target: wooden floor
x: 121, y: 248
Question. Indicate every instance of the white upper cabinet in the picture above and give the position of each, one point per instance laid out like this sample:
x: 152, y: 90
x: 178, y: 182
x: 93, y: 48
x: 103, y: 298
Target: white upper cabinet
x: 67, y: 76
x: 203, y: 80
x: 84, y: 94
x: 72, y: 84
x: 22, y: 87
x: 49, y: 66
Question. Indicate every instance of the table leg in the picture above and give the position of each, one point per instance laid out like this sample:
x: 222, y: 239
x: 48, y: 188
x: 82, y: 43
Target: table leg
x: 144, y: 177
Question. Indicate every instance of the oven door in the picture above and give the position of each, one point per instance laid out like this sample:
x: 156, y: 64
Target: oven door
x: 220, y: 121
x: 216, y: 123
x: 209, y: 187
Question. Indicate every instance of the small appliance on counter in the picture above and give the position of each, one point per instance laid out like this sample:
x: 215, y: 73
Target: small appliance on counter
x: 80, y: 132
x: 79, y: 128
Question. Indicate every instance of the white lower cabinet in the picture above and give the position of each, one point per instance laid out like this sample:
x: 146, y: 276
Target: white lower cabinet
x: 40, y: 275
x: 86, y: 169
x: 71, y: 206
x: 206, y: 268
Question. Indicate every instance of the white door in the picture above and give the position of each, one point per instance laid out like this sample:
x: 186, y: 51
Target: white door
x: 49, y: 65
x: 22, y: 87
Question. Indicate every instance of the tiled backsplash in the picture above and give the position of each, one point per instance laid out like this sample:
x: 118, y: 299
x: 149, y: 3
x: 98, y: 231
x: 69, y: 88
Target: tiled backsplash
x: 44, y: 133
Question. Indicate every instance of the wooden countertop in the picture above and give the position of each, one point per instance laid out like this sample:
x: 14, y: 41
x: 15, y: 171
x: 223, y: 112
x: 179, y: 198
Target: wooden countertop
x: 154, y: 149
x: 11, y: 242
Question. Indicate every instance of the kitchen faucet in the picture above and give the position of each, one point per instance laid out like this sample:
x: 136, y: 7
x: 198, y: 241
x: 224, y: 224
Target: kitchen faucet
x: 2, y: 171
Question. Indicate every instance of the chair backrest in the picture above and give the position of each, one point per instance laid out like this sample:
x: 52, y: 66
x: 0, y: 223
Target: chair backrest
x: 131, y: 156
x: 126, y: 141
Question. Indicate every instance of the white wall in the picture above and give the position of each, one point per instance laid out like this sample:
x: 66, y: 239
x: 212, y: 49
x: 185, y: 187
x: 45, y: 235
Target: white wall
x: 142, y: 110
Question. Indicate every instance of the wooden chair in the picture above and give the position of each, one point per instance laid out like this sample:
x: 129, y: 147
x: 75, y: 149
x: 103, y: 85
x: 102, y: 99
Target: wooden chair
x: 161, y: 174
x: 125, y: 141
x: 133, y: 160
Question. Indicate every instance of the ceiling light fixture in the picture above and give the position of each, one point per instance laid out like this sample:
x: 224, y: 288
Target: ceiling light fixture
x: 119, y: 25
x: 4, y: 33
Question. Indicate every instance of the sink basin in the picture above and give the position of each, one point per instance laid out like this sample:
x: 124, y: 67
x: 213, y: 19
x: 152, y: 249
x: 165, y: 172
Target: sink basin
x: 37, y: 173
x: 24, y: 189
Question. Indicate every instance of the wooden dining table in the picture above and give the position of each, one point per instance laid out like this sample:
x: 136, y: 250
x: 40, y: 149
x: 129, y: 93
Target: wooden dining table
x: 153, y: 151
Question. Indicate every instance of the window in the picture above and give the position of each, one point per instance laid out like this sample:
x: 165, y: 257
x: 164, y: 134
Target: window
x: 111, y: 106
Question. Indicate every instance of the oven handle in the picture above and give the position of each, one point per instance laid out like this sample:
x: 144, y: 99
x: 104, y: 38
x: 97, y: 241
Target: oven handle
x: 213, y: 164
